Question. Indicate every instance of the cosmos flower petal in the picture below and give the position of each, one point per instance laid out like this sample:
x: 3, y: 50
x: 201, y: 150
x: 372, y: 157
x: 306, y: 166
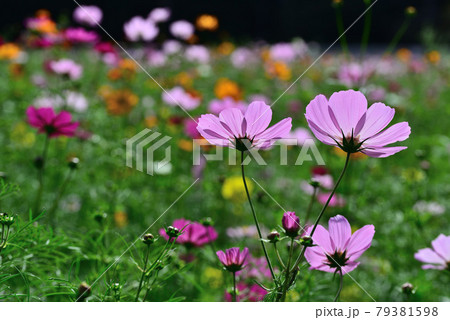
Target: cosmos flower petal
x: 378, y: 116
x: 233, y: 119
x: 360, y: 241
x: 210, y: 124
x: 398, y: 132
x: 441, y: 246
x: 340, y: 232
x: 349, y: 266
x: 321, y: 237
x: 382, y: 152
x: 427, y: 255
x: 317, y: 112
x: 320, y: 134
x: 280, y: 130
x: 258, y: 117
x: 348, y: 107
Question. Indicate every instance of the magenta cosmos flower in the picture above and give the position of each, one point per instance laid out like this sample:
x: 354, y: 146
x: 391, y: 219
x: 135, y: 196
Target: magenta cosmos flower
x: 194, y: 234
x: 236, y: 129
x: 345, y: 121
x: 54, y: 125
x: 438, y: 257
x: 80, y: 35
x: 233, y: 259
x: 337, y: 248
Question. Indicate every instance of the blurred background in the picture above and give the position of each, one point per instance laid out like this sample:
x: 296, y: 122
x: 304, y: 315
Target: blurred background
x: 272, y: 21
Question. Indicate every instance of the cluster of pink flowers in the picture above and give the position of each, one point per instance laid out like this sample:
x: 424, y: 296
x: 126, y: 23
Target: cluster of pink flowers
x: 80, y: 35
x: 66, y: 67
x: 178, y: 96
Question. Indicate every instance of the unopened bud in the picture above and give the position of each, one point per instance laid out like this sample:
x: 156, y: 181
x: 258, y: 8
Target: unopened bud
x: 306, y: 241
x: 73, y: 163
x: 148, y: 239
x: 407, y: 288
x: 410, y: 11
x: 172, y: 232
x: 207, y: 222
x: 273, y: 237
x: 84, y: 291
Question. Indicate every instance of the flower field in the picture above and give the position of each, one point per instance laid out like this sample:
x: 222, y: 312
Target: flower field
x: 284, y: 172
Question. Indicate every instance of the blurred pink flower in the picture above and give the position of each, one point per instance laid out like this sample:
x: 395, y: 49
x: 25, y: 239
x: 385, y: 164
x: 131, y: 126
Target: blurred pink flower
x: 336, y: 200
x: 182, y: 29
x: 104, y: 47
x: 66, y: 67
x: 239, y: 130
x: 54, y: 125
x: 88, y: 15
x: 139, y: 28
x: 171, y: 46
x: 178, y: 95
x: 337, y: 248
x: 291, y: 224
x: 197, y: 53
x: 243, y: 57
x: 247, y: 292
x: 233, y: 259
x: 217, y: 106
x: 256, y: 268
x: 345, y: 121
x: 80, y: 35
x: 282, y: 52
x: 194, y: 234
x: 354, y: 74
x: 158, y: 15
x: 190, y: 128
x: 438, y: 257
x: 302, y: 136
x: 156, y: 58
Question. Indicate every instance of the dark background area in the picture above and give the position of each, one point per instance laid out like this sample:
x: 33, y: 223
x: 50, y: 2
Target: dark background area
x: 242, y: 20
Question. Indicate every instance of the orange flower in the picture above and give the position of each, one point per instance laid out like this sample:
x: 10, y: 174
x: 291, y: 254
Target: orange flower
x: 404, y: 54
x: 114, y: 74
x: 9, y: 51
x: 151, y: 121
x: 183, y: 79
x: 16, y: 69
x: 120, y: 219
x: 185, y: 145
x: 226, y: 88
x: 279, y: 70
x: 207, y: 22
x: 433, y: 56
x: 120, y: 102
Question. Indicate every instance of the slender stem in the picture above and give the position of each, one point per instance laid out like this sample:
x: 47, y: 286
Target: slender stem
x: 398, y: 35
x: 302, y: 253
x: 366, y: 30
x: 51, y: 213
x: 37, y: 202
x: 143, y: 273
x: 341, y: 284
x: 340, y: 26
x: 310, y: 205
x: 269, y: 264
x: 234, y: 287
x: 278, y: 255
x: 288, y: 266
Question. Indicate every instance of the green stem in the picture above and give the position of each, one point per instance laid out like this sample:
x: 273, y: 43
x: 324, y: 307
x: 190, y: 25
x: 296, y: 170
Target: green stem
x: 234, y: 287
x: 341, y: 284
x: 302, y: 253
x: 37, y: 203
x: 399, y: 34
x: 340, y: 26
x: 366, y: 30
x: 51, y: 213
x: 310, y: 205
x: 278, y: 255
x: 143, y: 273
x: 288, y: 266
x: 269, y: 264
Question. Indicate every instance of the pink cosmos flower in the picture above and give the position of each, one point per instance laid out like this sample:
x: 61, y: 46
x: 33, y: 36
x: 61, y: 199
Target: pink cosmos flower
x: 233, y: 259
x: 88, y: 15
x: 158, y: 15
x: 337, y: 248
x: 256, y: 268
x: 190, y: 128
x: 171, y: 46
x: 178, y: 95
x: 242, y: 131
x: 156, y: 58
x: 139, y: 28
x: 291, y: 224
x: 438, y: 257
x: 247, y: 292
x: 182, y: 29
x: 104, y: 47
x: 282, y: 52
x: 194, y: 234
x: 197, y: 53
x: 243, y: 58
x: 80, y: 35
x: 54, y: 125
x: 217, y: 106
x: 345, y: 121
x: 66, y: 67
x: 354, y: 74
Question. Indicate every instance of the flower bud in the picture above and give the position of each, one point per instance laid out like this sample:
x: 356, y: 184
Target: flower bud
x: 407, y: 288
x: 172, y: 232
x: 148, y: 239
x: 410, y: 11
x: 314, y: 183
x: 73, y: 163
x: 207, y: 222
x: 84, y: 291
x: 291, y: 224
x: 100, y: 216
x: 273, y: 237
x: 306, y: 241
x: 39, y: 162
